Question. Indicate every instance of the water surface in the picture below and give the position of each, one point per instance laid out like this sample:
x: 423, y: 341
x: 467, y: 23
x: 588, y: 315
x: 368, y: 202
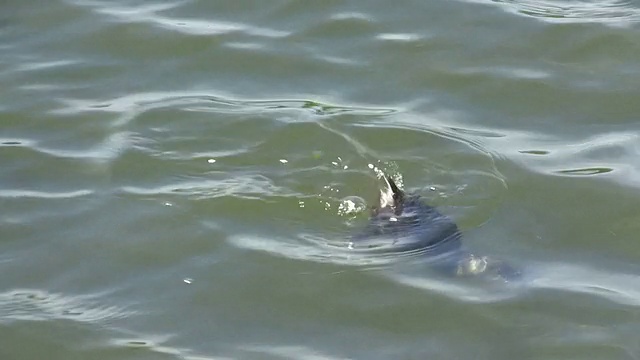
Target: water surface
x: 180, y: 178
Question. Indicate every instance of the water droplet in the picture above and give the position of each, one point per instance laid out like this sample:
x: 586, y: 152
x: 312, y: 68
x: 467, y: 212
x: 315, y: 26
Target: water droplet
x: 351, y: 206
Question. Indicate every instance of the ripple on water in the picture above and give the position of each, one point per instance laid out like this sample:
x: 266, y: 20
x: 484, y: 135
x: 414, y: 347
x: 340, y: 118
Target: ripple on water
x: 289, y: 352
x: 243, y: 186
x: 38, y: 305
x: 610, y: 12
x: 249, y: 191
x: 317, y: 248
x: 157, y: 344
x: 7, y: 193
x: 617, y: 287
x: 341, y: 204
x: 130, y: 106
x: 330, y: 244
x: 605, y: 155
x: 153, y: 14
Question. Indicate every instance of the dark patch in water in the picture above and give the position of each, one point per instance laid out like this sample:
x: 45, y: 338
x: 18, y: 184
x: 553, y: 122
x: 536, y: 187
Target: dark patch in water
x: 586, y: 171
x: 534, y: 152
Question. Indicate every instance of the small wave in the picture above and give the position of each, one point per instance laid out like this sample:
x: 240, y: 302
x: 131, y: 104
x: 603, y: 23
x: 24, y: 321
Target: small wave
x: 316, y: 248
x: 108, y: 149
x: 598, y: 155
x: 339, y: 25
x: 131, y: 106
x: 608, y: 155
x: 479, y: 292
x: 6, y: 193
x: 45, y: 65
x: 155, y: 344
x: 242, y: 186
x: 289, y: 352
x: 400, y: 37
x: 313, y: 248
x: 151, y: 14
x: 619, y: 288
x: 102, y: 151
x: 610, y: 12
x: 38, y: 305
x: 616, y: 287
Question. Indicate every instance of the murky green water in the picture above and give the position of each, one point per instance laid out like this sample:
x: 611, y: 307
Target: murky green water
x: 180, y: 178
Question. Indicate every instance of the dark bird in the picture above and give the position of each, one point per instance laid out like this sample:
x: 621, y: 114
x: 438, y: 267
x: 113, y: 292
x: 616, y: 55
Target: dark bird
x: 402, y: 222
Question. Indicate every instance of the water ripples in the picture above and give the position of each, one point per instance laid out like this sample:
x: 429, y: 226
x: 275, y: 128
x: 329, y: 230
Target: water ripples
x: 226, y: 176
x: 136, y: 104
x: 37, y: 305
x: 44, y: 195
x: 210, y: 161
x: 611, y: 12
x: 608, y: 155
x: 480, y: 181
x: 576, y: 280
x: 150, y: 14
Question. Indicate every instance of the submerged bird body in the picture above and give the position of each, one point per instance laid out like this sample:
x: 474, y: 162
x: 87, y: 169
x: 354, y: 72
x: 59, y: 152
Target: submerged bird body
x: 403, y: 222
